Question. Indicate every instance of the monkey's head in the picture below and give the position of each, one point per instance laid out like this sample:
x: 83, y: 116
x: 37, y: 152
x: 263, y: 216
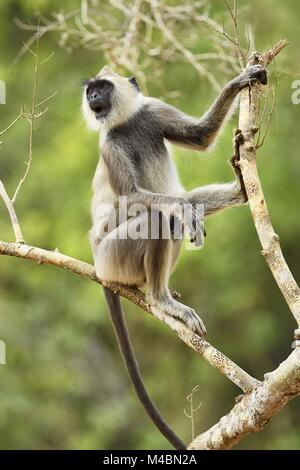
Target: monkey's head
x: 109, y: 99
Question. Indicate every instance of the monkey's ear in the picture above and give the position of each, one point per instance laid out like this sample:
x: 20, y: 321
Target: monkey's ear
x: 85, y: 82
x: 134, y: 83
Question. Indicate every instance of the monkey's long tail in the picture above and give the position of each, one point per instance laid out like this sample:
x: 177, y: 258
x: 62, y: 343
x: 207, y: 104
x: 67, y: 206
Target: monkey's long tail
x: 122, y: 334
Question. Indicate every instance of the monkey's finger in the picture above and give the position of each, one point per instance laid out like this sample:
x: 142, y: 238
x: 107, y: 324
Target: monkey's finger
x: 257, y: 72
x: 264, y: 77
x: 194, y: 323
x: 199, y: 327
x: 198, y: 234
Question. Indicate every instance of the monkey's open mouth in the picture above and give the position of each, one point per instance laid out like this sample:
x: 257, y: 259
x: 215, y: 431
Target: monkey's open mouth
x: 100, y: 111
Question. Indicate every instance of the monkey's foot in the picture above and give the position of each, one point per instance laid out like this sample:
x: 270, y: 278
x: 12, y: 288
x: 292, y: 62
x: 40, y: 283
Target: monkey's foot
x: 169, y: 306
x: 190, y: 318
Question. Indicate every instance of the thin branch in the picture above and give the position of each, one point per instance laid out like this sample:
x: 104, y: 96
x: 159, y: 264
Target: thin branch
x: 39, y: 32
x: 189, y: 56
x: 214, y: 357
x: 129, y: 40
x: 20, y: 115
x: 12, y: 214
x: 31, y: 118
x: 262, y: 140
x: 234, y: 17
x: 261, y: 115
x: 190, y: 415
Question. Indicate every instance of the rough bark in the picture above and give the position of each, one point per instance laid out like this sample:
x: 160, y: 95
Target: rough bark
x: 255, y: 409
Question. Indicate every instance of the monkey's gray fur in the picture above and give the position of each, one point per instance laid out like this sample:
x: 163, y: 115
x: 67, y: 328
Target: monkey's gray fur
x: 136, y: 163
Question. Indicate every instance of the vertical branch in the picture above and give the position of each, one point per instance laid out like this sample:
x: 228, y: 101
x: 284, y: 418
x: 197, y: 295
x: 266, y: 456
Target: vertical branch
x: 192, y: 411
x: 271, y: 249
x: 31, y: 118
x: 234, y: 17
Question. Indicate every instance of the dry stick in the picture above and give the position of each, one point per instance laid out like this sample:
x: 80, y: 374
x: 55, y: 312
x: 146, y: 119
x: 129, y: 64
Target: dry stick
x: 189, y: 56
x: 31, y: 118
x: 214, y: 357
x: 268, y: 238
x: 12, y: 213
x: 4, y: 195
x: 255, y: 409
x: 20, y: 115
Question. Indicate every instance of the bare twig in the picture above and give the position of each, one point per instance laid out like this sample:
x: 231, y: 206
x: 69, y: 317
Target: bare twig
x: 31, y: 118
x: 234, y: 16
x: 20, y: 115
x: 189, y: 56
x: 262, y: 139
x: 46, y: 99
x: 129, y: 39
x: 190, y: 415
x: 4, y: 195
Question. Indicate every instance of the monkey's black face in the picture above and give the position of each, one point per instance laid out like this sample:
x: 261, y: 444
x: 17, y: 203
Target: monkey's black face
x: 98, y: 94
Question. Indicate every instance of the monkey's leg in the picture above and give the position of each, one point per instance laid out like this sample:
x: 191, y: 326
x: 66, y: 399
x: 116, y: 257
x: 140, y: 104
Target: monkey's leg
x: 216, y: 197
x: 121, y: 259
x: 158, y: 261
x: 144, y: 261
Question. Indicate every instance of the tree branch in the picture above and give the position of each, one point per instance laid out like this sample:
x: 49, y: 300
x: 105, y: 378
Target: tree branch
x: 269, y: 239
x: 31, y: 118
x: 12, y: 214
x: 256, y: 409
x: 214, y: 357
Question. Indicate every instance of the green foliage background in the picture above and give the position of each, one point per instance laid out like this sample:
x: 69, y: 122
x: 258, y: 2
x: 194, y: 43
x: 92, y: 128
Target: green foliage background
x: 64, y: 385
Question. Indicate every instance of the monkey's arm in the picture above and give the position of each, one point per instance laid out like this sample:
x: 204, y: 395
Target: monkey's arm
x: 200, y: 133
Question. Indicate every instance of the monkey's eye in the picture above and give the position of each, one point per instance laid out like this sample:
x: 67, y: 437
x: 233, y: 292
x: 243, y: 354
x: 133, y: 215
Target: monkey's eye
x: 90, y: 89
